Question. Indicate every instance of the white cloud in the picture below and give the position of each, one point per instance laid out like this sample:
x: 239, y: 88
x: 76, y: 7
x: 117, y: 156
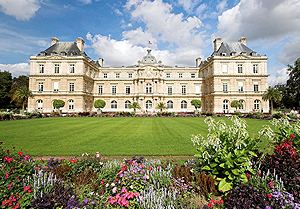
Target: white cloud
x: 20, y: 9
x: 16, y: 69
x: 281, y: 76
x: 118, y: 12
x: 260, y: 19
x: 189, y: 5
x: 290, y: 52
x: 86, y: 1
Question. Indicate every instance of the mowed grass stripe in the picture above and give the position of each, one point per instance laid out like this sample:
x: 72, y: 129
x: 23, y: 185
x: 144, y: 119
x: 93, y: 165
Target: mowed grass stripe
x: 109, y: 136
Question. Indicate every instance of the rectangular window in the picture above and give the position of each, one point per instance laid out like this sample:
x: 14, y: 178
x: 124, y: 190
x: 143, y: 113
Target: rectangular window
x: 225, y: 87
x: 71, y: 86
x: 42, y: 68
x: 117, y: 75
x: 129, y: 75
x: 114, y: 89
x: 197, y: 89
x: 255, y: 68
x: 183, y: 89
x: 255, y: 86
x: 240, y: 68
x: 41, y: 86
x: 168, y: 75
x: 224, y: 69
x: 193, y: 75
x: 127, y: 89
x: 72, y: 68
x: 55, y: 86
x: 170, y: 89
x: 104, y: 75
x: 56, y: 68
x: 100, y: 89
x: 240, y: 86
x: 180, y: 75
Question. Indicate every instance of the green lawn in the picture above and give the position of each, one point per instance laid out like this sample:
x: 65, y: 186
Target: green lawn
x: 109, y: 136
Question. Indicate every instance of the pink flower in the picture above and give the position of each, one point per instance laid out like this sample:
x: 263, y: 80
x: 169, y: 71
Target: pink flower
x: 20, y: 153
x: 10, y: 185
x: 4, y: 202
x: 271, y: 185
x: 269, y: 196
x: 124, y: 190
x: 17, y: 206
x: 259, y: 173
x: 210, y: 205
x: 150, y: 168
x: 6, y: 175
x: 26, y: 188
x: 136, y: 194
x: 247, y: 175
x: 221, y: 201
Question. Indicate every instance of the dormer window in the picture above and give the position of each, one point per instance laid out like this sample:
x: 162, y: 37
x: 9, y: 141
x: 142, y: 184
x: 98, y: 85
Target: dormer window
x: 232, y: 53
x: 223, y: 54
x: 43, y: 53
x: 63, y: 53
x: 73, y: 53
x: 253, y: 54
x: 53, y: 53
x: 243, y: 53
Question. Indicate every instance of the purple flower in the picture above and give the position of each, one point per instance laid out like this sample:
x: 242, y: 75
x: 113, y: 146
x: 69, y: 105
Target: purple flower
x: 86, y: 201
x: 268, y: 207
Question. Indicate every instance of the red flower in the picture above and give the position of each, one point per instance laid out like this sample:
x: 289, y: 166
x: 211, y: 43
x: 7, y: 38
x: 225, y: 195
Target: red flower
x: 292, y: 135
x: 6, y: 175
x: 6, y: 158
x: 269, y: 196
x: 20, y: 153
x: 150, y: 168
x: 17, y: 206
x: 26, y: 188
x: 247, y: 175
x: 4, y: 202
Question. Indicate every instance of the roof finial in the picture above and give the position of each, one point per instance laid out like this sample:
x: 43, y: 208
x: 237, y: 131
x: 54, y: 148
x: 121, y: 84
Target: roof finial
x: 148, y: 50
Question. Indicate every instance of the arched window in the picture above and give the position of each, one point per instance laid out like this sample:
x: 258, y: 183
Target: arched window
x: 148, y: 88
x: 71, y: 104
x: 40, y: 104
x: 243, y: 104
x: 114, y: 105
x: 256, y: 104
x: 170, y: 105
x: 225, y: 104
x: 148, y: 105
x: 127, y: 104
x: 183, y: 105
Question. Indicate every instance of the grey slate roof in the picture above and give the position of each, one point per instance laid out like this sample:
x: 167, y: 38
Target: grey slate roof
x: 63, y: 48
x: 234, y: 47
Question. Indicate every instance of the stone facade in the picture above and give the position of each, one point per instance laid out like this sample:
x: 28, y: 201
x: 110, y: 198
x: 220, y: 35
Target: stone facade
x: 64, y: 71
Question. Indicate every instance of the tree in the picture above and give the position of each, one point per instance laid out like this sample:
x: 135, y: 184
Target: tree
x: 196, y: 103
x: 293, y: 84
x: 236, y: 104
x: 161, y: 106
x: 5, y: 86
x: 272, y: 95
x: 58, y: 103
x: 134, y: 106
x: 99, y: 103
x: 21, y: 95
x: 17, y: 83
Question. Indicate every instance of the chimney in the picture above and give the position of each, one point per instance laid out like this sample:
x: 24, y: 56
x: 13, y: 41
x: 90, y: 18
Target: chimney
x: 80, y: 44
x: 198, y: 61
x: 54, y: 41
x: 217, y: 44
x: 243, y: 40
x: 100, y: 60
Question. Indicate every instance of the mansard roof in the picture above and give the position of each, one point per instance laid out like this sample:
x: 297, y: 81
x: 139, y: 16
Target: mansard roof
x: 64, y: 49
x: 234, y: 48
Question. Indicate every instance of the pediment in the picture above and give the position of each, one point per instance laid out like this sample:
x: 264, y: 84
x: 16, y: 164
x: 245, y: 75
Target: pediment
x: 55, y: 57
x: 240, y: 56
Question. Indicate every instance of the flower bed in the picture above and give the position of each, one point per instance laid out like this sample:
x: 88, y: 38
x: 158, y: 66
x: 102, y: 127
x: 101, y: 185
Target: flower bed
x: 232, y: 170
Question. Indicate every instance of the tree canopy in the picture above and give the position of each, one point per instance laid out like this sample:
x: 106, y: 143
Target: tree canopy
x: 293, y: 84
x: 134, y: 106
x: 272, y: 95
x: 21, y: 95
x: 196, y: 103
x: 99, y: 103
x: 58, y: 103
x: 161, y: 106
x: 236, y: 104
x: 5, y: 86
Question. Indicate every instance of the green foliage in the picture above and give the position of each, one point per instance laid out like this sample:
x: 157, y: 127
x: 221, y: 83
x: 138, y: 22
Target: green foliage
x: 161, y: 106
x: 5, y: 87
x: 236, y: 104
x: 196, y: 103
x: 226, y: 152
x: 17, y: 83
x: 93, y: 163
x: 21, y: 95
x: 135, y: 106
x: 292, y: 93
x: 99, y: 103
x: 58, y: 103
x: 272, y: 95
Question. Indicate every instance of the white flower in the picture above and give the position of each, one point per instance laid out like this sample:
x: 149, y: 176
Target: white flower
x: 107, y: 185
x: 131, y: 187
x: 192, y: 170
x: 113, y: 184
x: 114, y: 190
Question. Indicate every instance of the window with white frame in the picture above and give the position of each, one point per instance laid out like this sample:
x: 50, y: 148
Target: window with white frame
x: 40, y: 104
x: 240, y: 68
x: 72, y: 68
x: 127, y: 104
x: 129, y: 75
x: 240, y: 86
x: 183, y: 89
x: 55, y: 86
x: 183, y: 105
x: 148, y: 105
x: 56, y: 68
x: 170, y: 89
x: 193, y: 75
x: 180, y: 75
x: 104, y: 75
x: 256, y: 86
x: 242, y: 104
x: 224, y: 69
x: 42, y: 68
x: 41, y: 86
x: 100, y: 89
x: 255, y: 68
x: 117, y: 75
x: 114, y: 105
x: 168, y: 75
x: 225, y: 87
x: 127, y: 89
x: 148, y: 88
x: 256, y: 104
x: 71, y: 104
x: 71, y: 86
x: 114, y: 89
x: 225, y: 104
x: 170, y: 105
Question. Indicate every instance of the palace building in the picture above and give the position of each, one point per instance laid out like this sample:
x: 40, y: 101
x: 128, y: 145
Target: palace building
x: 232, y: 72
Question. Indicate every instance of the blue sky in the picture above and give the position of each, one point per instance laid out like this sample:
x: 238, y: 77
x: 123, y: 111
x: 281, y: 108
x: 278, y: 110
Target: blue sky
x: 180, y: 30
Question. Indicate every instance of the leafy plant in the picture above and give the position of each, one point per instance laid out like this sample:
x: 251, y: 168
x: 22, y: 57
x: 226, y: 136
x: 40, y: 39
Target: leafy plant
x: 196, y: 103
x: 58, y: 103
x: 99, y: 103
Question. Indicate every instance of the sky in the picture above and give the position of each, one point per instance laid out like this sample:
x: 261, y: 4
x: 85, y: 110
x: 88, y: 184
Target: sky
x: 180, y: 31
